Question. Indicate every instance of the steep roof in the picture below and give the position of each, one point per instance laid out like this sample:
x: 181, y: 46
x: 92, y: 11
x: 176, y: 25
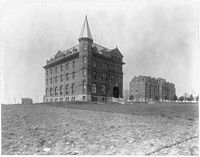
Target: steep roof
x: 116, y: 51
x: 85, y: 31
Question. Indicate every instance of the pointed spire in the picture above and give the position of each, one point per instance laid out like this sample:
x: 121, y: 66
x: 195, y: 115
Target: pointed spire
x: 85, y: 31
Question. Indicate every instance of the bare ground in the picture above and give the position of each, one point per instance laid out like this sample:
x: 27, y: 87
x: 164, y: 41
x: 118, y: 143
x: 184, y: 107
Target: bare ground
x: 98, y: 129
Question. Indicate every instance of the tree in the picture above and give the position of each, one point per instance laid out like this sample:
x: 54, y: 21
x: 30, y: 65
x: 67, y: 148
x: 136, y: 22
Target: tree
x: 175, y: 98
x: 197, y: 98
x: 181, y: 98
x: 191, y: 98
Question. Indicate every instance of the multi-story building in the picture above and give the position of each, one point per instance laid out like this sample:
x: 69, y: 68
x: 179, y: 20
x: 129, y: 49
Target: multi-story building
x: 84, y: 72
x: 145, y: 88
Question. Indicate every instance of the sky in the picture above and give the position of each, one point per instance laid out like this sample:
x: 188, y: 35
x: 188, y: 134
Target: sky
x: 157, y: 39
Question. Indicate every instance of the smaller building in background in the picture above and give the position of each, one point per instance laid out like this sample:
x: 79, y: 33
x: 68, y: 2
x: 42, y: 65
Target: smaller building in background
x: 27, y: 101
x: 146, y: 89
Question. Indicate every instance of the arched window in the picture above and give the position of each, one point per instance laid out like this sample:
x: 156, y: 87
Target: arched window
x: 60, y: 90
x: 56, y: 79
x: 94, y: 88
x: 73, y: 88
x: 104, y: 89
x: 51, y: 91
x: 84, y: 72
x: 61, y: 78
x: 56, y: 91
x: 46, y: 91
x: 66, y: 65
x: 94, y: 63
x: 67, y: 77
x: 94, y: 75
x: 84, y: 59
x: 55, y: 69
x: 67, y: 89
x: 73, y: 75
x: 84, y: 86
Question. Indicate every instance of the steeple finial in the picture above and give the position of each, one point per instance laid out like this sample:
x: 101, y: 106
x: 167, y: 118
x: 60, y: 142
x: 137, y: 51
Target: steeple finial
x: 85, y: 31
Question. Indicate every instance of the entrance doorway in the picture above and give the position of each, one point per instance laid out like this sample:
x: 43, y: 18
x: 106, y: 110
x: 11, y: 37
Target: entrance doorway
x: 116, y: 92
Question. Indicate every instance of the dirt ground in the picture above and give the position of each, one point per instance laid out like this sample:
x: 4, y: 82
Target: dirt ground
x: 100, y: 129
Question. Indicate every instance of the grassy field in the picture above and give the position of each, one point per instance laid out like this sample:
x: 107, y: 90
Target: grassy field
x: 98, y: 128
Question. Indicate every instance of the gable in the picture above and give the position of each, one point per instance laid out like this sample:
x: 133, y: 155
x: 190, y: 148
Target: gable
x: 116, y: 52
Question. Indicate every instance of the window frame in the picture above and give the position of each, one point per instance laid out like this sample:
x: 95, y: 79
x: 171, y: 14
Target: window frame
x: 94, y: 88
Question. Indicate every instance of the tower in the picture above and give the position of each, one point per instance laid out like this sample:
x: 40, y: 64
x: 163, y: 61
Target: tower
x: 85, y: 54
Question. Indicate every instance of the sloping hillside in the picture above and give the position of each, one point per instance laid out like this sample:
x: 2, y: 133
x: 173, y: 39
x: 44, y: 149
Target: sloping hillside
x: 137, y: 129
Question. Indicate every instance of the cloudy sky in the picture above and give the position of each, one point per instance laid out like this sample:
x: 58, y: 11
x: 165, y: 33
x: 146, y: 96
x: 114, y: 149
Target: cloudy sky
x: 158, y: 39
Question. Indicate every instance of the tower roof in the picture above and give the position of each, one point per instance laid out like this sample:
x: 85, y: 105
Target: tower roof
x: 85, y: 31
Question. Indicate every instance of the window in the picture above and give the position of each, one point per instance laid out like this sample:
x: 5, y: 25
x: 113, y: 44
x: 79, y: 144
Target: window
x: 73, y: 75
x: 84, y: 47
x: 46, y: 91
x: 61, y: 68
x: 66, y: 89
x: 51, y: 71
x: 104, y: 77
x: 47, y: 72
x: 66, y: 65
x: 84, y: 97
x: 94, y: 75
x: 112, y: 78
x: 56, y: 79
x: 61, y: 78
x: 84, y: 86
x: 73, y: 64
x: 94, y: 98
x: 73, y: 98
x: 84, y: 59
x: 84, y: 72
x: 104, y: 89
x: 105, y: 66
x: 47, y: 81
x: 73, y: 88
x: 67, y: 77
x: 94, y: 88
x: 94, y: 64
x: 56, y: 91
x: 56, y: 69
x: 51, y: 91
x: 60, y: 90
x: 51, y: 80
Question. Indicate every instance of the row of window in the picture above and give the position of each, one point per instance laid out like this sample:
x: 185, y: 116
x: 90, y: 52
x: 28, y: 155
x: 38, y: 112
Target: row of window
x: 66, y: 66
x: 73, y: 98
x: 61, y: 99
x: 73, y: 88
x: 104, y: 66
x: 66, y: 77
x: 104, y: 77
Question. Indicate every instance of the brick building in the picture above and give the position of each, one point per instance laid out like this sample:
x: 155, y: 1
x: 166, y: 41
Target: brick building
x: 145, y: 89
x: 84, y: 72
